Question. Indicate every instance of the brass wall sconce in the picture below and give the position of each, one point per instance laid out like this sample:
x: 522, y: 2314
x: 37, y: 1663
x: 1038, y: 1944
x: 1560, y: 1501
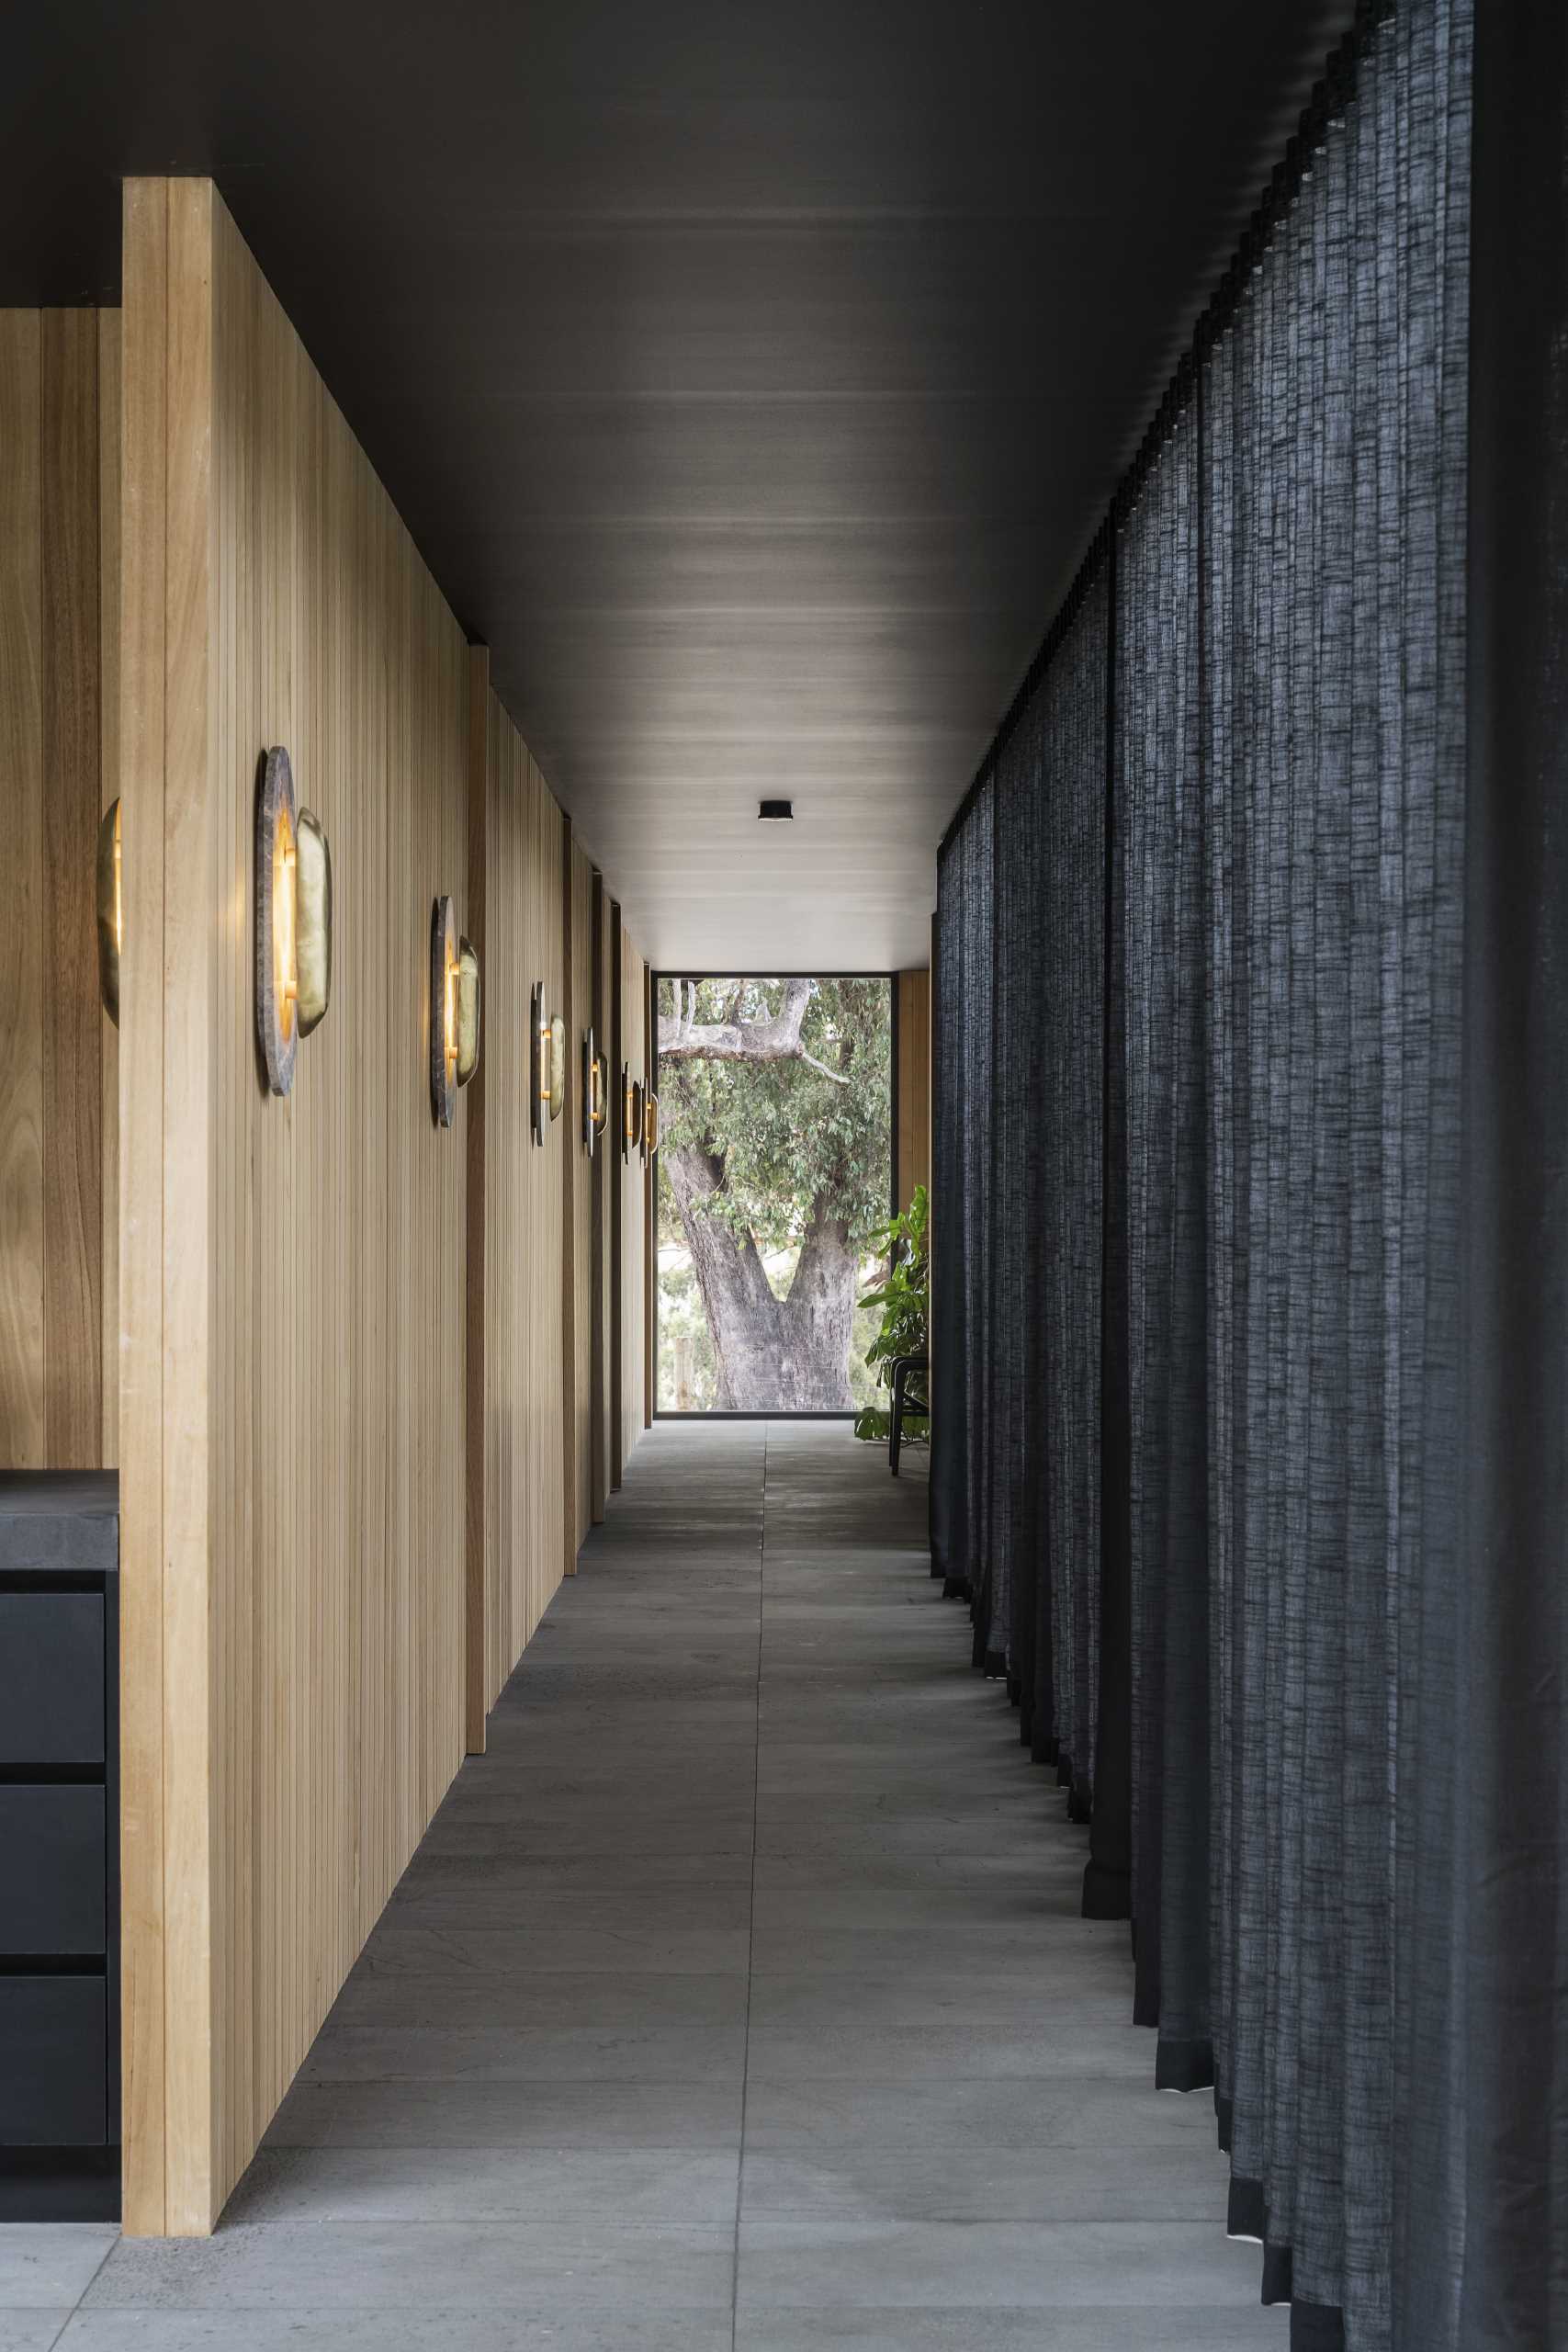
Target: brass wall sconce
x: 548, y: 1059
x: 631, y: 1113
x: 558, y: 1067
x: 538, y: 1062
x: 650, y: 1125
x: 111, y: 910
x: 454, y: 1012
x: 595, y: 1094
x: 294, y: 920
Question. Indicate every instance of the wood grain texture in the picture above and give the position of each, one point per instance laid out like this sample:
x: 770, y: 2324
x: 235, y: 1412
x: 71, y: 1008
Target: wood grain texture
x: 56, y: 1044
x: 293, y: 1272
x: 615, y: 1175
x: 634, y: 1207
x: 913, y: 1139
x: 580, y: 1200
x: 195, y: 1257
x: 649, y: 1223
x: 517, y: 1456
x: 482, y: 725
x: 73, y: 1018
x: 570, y: 1186
x: 144, y: 616
x: 355, y: 1388
x: 22, y: 1371
x: 601, y: 1288
x: 109, y: 405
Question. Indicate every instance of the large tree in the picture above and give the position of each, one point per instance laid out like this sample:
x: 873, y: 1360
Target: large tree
x: 774, y: 1138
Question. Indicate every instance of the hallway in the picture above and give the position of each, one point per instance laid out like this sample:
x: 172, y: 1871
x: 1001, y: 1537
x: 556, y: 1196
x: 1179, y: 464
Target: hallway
x: 736, y: 1996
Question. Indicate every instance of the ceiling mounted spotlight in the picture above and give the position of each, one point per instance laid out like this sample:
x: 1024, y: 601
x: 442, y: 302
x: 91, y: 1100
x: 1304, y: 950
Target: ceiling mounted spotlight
x: 775, y: 812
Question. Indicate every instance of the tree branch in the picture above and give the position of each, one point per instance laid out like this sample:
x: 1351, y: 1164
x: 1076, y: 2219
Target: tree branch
x: 681, y: 1037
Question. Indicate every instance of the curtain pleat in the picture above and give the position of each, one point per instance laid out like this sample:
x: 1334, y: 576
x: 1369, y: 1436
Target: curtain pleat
x: 1242, y: 1352
x: 1480, y: 2189
x: 962, y: 1156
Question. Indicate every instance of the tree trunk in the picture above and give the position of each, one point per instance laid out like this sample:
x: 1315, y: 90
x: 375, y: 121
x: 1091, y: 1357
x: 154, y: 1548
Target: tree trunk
x: 770, y: 1354
x: 813, y: 1374
x: 737, y: 1296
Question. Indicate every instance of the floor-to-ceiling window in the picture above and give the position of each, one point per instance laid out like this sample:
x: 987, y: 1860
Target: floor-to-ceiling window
x: 775, y: 1103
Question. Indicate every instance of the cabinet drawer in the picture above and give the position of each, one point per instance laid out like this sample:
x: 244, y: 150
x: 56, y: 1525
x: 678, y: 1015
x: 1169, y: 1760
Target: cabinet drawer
x: 51, y: 1677
x: 51, y: 1869
x: 53, y: 2062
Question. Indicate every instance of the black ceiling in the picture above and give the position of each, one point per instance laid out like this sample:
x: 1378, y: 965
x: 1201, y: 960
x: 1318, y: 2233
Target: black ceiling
x: 751, y: 377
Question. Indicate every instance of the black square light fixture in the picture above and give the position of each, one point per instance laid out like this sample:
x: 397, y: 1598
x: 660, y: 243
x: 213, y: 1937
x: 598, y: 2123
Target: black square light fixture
x: 775, y: 812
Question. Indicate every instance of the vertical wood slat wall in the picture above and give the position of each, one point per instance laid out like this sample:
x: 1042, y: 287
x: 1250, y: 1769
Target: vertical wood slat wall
x: 580, y: 1323
x: 604, y: 947
x: 59, y: 723
x: 336, y: 1539
x: 634, y: 1205
x: 521, y: 1435
x: 616, y: 1174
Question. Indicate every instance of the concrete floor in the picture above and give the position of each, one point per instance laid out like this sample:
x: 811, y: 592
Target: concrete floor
x: 737, y: 2001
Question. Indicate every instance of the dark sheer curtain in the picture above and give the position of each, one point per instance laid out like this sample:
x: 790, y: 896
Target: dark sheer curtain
x: 961, y: 1370
x: 1261, y: 1446
x: 1295, y: 954
x: 1022, y: 959
x: 1481, y: 2177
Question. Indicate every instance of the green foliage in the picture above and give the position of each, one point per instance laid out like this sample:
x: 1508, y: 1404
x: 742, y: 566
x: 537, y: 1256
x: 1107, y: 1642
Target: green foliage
x: 688, y: 1375
x: 788, y: 1135
x: 904, y: 1296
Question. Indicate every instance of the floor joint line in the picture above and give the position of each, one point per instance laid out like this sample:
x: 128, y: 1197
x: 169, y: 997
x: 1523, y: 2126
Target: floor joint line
x: 751, y: 1910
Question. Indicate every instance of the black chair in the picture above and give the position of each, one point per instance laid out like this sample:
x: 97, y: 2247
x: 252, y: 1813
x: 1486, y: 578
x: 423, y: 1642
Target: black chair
x: 910, y: 1394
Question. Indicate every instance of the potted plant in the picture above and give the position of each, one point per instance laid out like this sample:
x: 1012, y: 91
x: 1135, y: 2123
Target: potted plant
x: 903, y: 1295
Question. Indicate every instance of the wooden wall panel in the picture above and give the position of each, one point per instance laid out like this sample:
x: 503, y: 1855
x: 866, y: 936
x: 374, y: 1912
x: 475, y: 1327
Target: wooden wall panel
x: 543, y: 917
x: 292, y: 1412
x: 357, y: 1358
x: 617, y: 1177
x: 913, y: 1140
x: 483, y: 729
x: 649, y: 1222
x: 518, y: 1449
x: 634, y: 1208
x: 110, y: 403
x: 59, y: 412
x: 579, y: 1221
x: 601, y: 1299
x: 22, y: 1368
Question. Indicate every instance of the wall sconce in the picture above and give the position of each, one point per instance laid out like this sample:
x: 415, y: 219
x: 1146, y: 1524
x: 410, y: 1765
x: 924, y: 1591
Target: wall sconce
x: 547, y: 1062
x: 454, y: 1012
x: 650, y: 1125
x: 557, y: 1099
x: 111, y: 910
x: 595, y: 1094
x: 631, y: 1113
x: 294, y: 920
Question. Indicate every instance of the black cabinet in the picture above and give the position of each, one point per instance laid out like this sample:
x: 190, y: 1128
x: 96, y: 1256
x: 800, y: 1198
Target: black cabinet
x: 59, y: 1849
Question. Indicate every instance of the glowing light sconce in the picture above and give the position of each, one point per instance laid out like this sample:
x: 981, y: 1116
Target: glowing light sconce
x: 558, y: 1067
x: 548, y: 1057
x: 595, y: 1094
x: 650, y: 1125
x: 538, y: 1062
x: 111, y: 910
x: 454, y: 1012
x: 632, y: 1121
x: 294, y: 922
